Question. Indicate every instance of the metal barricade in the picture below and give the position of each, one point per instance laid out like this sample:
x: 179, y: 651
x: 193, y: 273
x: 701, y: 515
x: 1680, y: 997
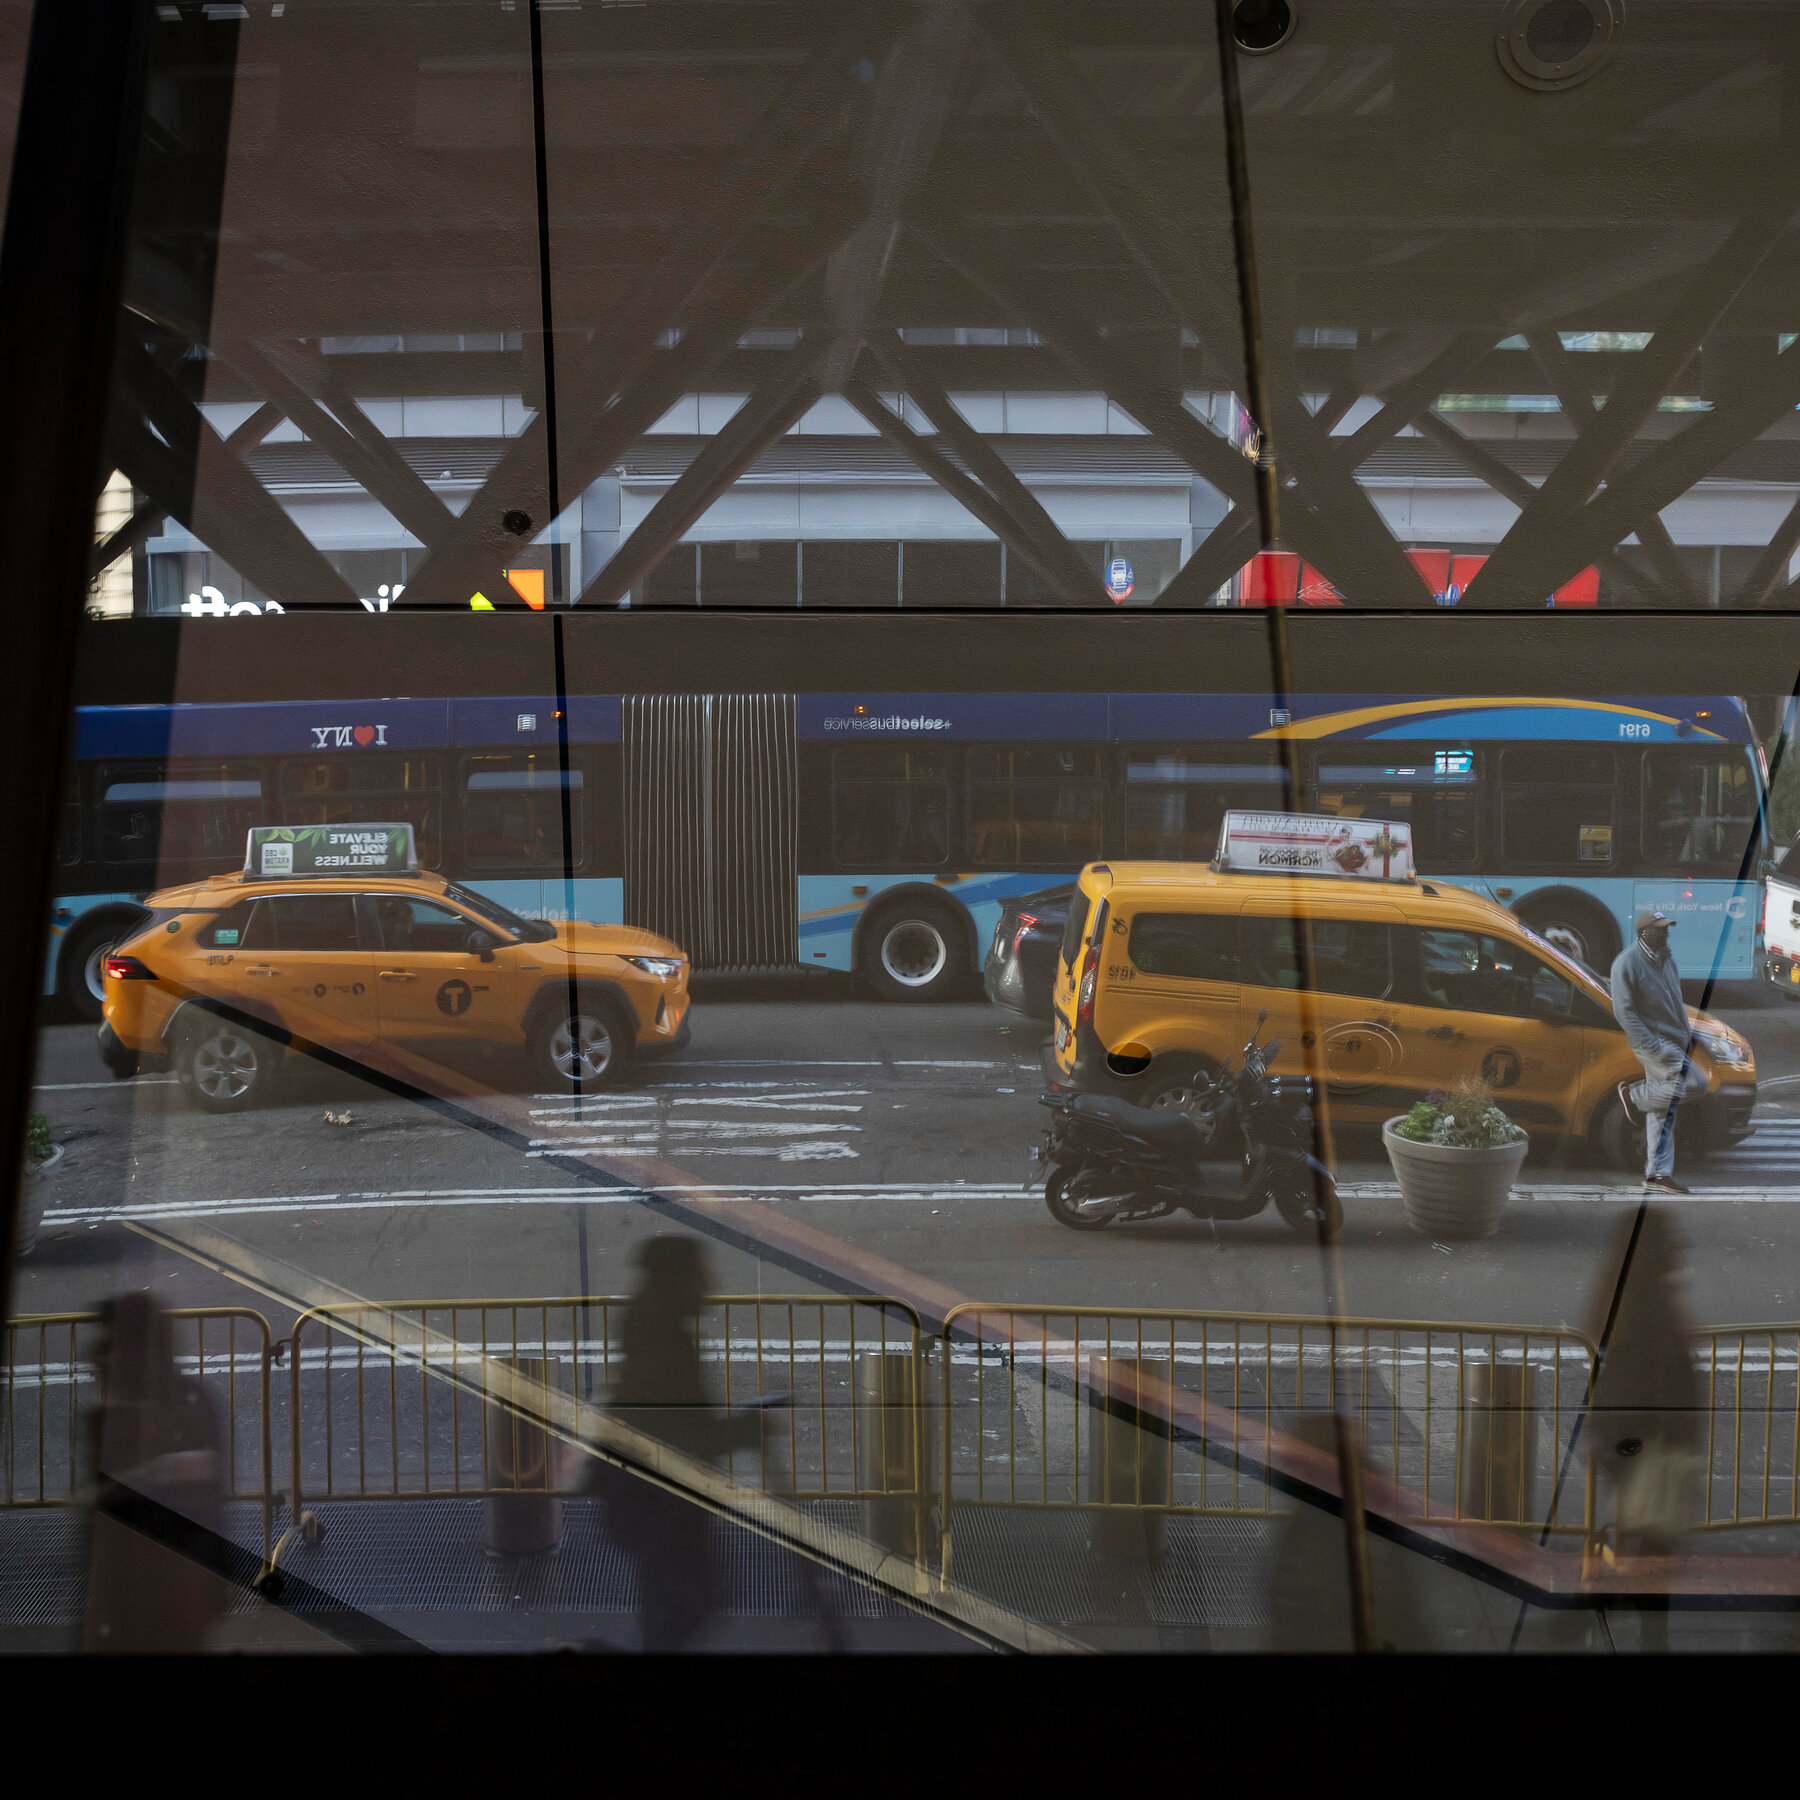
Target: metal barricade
x: 52, y: 1366
x: 1179, y: 1412
x: 1753, y: 1425
x: 401, y: 1401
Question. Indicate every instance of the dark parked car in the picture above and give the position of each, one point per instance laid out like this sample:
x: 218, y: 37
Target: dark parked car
x: 1020, y: 969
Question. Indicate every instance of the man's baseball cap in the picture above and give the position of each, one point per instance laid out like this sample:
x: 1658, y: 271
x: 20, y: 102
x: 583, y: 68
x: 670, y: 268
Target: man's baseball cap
x: 1645, y: 920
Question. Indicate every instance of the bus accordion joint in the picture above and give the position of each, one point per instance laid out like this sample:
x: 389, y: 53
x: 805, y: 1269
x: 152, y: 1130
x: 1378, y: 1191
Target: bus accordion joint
x: 1315, y: 844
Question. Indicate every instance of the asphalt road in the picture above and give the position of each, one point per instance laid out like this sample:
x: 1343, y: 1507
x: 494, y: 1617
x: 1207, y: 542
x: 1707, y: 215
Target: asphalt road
x: 894, y: 1135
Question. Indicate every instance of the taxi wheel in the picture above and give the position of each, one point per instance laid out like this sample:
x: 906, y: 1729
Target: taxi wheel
x: 1620, y: 1143
x: 1192, y: 1091
x: 911, y: 953
x: 224, y: 1068
x: 583, y: 1052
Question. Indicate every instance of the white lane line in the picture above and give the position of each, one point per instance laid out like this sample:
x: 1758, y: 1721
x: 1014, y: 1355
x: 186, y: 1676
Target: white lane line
x: 933, y: 1063
x: 771, y: 1062
x: 1386, y: 1190
x: 778, y: 1105
x: 760, y: 1087
x: 548, y: 1196
x: 70, y: 1087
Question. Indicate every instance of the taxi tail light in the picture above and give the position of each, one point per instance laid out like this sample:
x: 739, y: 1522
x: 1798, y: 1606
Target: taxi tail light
x: 128, y: 968
x: 1084, y: 993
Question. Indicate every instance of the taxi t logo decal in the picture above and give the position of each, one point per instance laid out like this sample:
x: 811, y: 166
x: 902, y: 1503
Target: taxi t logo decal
x: 1500, y: 1068
x: 454, y: 998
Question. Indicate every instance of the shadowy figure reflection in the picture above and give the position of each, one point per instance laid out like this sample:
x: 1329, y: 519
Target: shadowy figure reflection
x: 659, y: 1392
x: 158, y: 1496
x: 1648, y: 1416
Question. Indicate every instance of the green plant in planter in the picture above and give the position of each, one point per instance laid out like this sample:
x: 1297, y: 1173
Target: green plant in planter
x: 1466, y: 1117
x: 39, y: 1144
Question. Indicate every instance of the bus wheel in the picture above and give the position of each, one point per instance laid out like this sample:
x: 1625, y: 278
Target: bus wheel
x: 1576, y: 928
x: 910, y: 953
x: 82, y: 966
x: 225, y: 1068
x: 583, y: 1052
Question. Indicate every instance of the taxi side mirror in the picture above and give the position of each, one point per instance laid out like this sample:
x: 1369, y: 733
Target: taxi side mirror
x: 1550, y: 1006
x: 482, y: 944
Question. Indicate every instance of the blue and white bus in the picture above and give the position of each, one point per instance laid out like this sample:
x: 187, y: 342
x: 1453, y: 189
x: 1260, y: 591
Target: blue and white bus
x: 879, y: 832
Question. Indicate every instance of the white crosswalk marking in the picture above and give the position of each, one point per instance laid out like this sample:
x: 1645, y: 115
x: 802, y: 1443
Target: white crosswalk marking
x: 648, y: 1124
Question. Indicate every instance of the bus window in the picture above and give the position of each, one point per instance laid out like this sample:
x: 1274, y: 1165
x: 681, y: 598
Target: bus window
x: 1557, y: 805
x: 1030, y: 805
x: 1175, y: 802
x: 1699, y: 808
x: 190, y: 812
x: 890, y: 806
x: 1349, y: 956
x: 512, y: 811
x: 1433, y: 789
x: 366, y: 790
x: 68, y: 835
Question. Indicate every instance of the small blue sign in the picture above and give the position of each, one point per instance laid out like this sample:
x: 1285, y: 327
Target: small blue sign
x: 1119, y: 579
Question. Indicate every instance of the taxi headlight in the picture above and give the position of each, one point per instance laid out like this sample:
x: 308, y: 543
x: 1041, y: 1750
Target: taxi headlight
x: 665, y: 967
x: 1732, y: 1051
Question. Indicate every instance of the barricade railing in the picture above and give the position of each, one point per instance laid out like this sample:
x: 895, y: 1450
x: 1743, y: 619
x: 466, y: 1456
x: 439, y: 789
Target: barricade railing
x: 1178, y: 1412
x: 447, y: 1398
x: 1752, y: 1375
x: 53, y: 1374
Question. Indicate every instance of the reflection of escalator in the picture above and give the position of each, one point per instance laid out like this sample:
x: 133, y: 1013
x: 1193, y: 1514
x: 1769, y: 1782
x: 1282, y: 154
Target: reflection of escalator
x: 711, y: 819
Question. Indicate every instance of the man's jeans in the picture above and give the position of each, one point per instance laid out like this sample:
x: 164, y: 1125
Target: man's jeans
x: 1656, y: 1097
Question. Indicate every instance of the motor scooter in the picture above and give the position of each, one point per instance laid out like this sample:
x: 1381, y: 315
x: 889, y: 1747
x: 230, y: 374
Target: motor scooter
x: 1112, y: 1163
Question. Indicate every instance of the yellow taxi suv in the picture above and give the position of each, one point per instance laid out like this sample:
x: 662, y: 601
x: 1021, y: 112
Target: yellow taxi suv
x: 333, y: 937
x: 1408, y: 985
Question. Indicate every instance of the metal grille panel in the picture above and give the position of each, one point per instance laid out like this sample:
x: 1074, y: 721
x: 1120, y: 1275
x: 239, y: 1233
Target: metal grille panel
x: 711, y: 820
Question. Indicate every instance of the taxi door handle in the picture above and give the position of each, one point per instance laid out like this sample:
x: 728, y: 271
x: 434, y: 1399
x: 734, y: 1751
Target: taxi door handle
x: 1448, y: 1033
x: 263, y: 971
x: 398, y: 975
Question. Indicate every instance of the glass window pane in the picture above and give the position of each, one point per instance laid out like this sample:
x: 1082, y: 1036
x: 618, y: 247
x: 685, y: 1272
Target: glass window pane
x: 513, y: 812
x: 1176, y: 799
x: 1559, y: 806
x: 1031, y: 805
x: 304, y: 922
x: 1349, y: 956
x: 1190, y: 946
x: 1699, y: 808
x: 420, y: 925
x: 189, y: 818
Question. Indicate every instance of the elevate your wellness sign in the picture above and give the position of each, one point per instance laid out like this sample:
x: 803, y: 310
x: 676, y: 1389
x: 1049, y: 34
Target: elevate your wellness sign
x: 329, y: 849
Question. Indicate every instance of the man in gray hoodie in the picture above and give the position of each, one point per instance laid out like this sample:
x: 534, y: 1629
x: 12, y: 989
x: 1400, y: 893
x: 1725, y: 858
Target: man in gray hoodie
x: 1646, y: 997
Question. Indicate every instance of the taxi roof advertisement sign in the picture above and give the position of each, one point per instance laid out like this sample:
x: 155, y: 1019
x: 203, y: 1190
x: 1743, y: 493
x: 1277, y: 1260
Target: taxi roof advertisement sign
x: 283, y: 850
x: 1312, y: 844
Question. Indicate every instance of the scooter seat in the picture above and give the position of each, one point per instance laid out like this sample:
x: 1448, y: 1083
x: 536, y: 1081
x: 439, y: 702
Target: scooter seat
x: 1163, y: 1126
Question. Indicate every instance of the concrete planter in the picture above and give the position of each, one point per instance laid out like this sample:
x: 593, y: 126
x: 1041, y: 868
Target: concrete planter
x: 1449, y: 1191
x: 34, y: 1198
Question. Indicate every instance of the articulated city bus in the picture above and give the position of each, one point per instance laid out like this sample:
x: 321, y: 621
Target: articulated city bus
x: 879, y: 832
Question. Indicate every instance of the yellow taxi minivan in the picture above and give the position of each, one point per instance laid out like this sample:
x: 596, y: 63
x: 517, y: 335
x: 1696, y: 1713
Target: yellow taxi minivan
x: 332, y: 937
x: 1414, y: 983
